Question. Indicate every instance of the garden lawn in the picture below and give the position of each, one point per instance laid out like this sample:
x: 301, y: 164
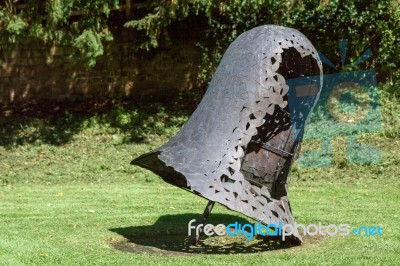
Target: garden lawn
x: 72, y: 198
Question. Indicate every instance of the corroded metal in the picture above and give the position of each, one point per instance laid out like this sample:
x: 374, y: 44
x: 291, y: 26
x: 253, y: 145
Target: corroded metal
x: 238, y: 146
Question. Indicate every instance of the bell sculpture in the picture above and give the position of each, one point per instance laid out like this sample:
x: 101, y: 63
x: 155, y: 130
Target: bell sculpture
x: 238, y: 146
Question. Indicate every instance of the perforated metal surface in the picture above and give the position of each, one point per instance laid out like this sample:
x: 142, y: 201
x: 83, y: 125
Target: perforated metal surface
x: 236, y: 147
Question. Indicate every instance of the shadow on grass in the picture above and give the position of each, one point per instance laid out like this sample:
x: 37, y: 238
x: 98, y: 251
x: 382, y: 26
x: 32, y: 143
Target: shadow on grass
x: 56, y: 123
x: 169, y: 237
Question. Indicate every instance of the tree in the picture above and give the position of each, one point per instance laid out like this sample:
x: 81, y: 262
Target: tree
x: 80, y: 24
x: 83, y: 25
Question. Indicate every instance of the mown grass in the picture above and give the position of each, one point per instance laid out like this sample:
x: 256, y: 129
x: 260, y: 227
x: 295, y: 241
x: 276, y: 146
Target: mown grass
x: 74, y: 224
x: 69, y: 196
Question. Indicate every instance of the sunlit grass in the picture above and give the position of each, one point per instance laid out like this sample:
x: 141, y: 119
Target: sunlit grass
x: 67, y: 196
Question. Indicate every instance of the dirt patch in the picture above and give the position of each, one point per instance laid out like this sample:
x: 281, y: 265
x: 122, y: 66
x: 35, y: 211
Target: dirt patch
x: 168, y: 244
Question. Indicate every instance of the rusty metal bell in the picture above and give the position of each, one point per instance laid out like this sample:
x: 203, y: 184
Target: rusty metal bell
x: 239, y: 144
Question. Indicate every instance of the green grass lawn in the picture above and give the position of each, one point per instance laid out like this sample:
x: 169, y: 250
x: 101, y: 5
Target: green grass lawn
x: 69, y: 196
x: 79, y: 223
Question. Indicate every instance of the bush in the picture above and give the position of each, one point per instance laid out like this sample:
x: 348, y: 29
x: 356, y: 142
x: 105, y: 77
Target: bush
x: 366, y: 23
x: 80, y: 24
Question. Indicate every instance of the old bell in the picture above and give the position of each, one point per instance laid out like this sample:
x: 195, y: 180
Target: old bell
x: 238, y: 146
